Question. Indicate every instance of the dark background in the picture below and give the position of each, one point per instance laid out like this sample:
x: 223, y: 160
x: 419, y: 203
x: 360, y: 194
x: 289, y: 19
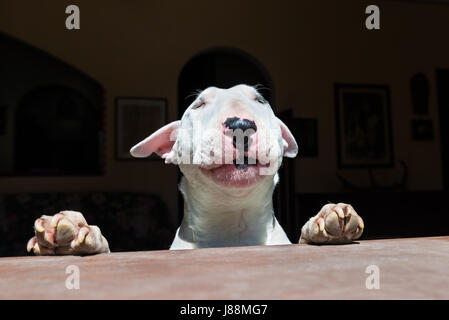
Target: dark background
x: 58, y: 90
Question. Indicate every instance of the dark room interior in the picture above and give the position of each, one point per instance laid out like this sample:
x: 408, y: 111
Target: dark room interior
x: 369, y: 110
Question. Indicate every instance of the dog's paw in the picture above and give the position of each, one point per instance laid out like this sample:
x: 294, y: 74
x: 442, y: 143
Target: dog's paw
x: 66, y: 233
x: 334, y: 224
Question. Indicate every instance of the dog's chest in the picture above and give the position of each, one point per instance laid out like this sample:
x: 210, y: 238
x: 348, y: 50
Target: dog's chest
x: 230, y: 229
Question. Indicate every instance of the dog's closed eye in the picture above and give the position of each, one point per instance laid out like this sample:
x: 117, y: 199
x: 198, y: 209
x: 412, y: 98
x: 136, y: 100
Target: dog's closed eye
x: 260, y: 99
x: 199, y: 104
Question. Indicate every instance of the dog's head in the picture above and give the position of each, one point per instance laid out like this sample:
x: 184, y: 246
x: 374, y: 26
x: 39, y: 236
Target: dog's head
x: 227, y: 137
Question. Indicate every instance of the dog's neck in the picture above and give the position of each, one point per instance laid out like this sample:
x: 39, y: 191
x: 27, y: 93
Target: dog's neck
x: 216, y: 217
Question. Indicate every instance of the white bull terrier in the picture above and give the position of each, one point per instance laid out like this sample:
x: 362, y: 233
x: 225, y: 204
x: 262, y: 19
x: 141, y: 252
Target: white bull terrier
x: 229, y: 146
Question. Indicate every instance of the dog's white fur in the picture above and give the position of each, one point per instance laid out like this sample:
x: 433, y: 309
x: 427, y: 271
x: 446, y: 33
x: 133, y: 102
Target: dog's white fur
x: 216, y: 215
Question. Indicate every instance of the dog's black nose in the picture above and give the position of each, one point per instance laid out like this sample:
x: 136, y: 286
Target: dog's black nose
x: 242, y: 124
x: 237, y: 123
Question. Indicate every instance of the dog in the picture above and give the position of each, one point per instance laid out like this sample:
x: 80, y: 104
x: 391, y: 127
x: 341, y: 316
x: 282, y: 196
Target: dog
x: 229, y: 146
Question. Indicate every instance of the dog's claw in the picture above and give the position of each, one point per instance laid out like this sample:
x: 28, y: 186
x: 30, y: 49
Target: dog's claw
x: 82, y: 235
x: 31, y: 243
x: 55, y: 220
x: 36, y: 249
x: 361, y: 224
x: 340, y: 212
x: 38, y: 225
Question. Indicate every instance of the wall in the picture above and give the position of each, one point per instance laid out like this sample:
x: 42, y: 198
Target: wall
x: 138, y: 49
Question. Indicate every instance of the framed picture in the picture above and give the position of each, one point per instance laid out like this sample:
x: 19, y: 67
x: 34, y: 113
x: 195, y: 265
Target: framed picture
x: 364, y: 135
x: 135, y: 119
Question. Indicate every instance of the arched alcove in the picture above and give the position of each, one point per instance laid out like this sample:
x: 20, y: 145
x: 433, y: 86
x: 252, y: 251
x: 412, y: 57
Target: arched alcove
x: 51, y: 114
x: 223, y: 68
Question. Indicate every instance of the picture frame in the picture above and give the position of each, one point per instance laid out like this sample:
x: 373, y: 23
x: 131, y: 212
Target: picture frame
x: 363, y: 126
x: 135, y: 119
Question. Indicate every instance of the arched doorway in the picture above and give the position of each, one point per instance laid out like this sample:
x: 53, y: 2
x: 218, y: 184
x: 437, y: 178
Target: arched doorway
x: 223, y: 68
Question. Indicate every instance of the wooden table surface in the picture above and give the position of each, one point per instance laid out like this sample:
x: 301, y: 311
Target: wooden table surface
x: 416, y: 268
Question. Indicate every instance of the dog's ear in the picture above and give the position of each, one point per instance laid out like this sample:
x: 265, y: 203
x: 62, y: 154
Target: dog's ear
x: 290, y: 145
x: 160, y: 142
